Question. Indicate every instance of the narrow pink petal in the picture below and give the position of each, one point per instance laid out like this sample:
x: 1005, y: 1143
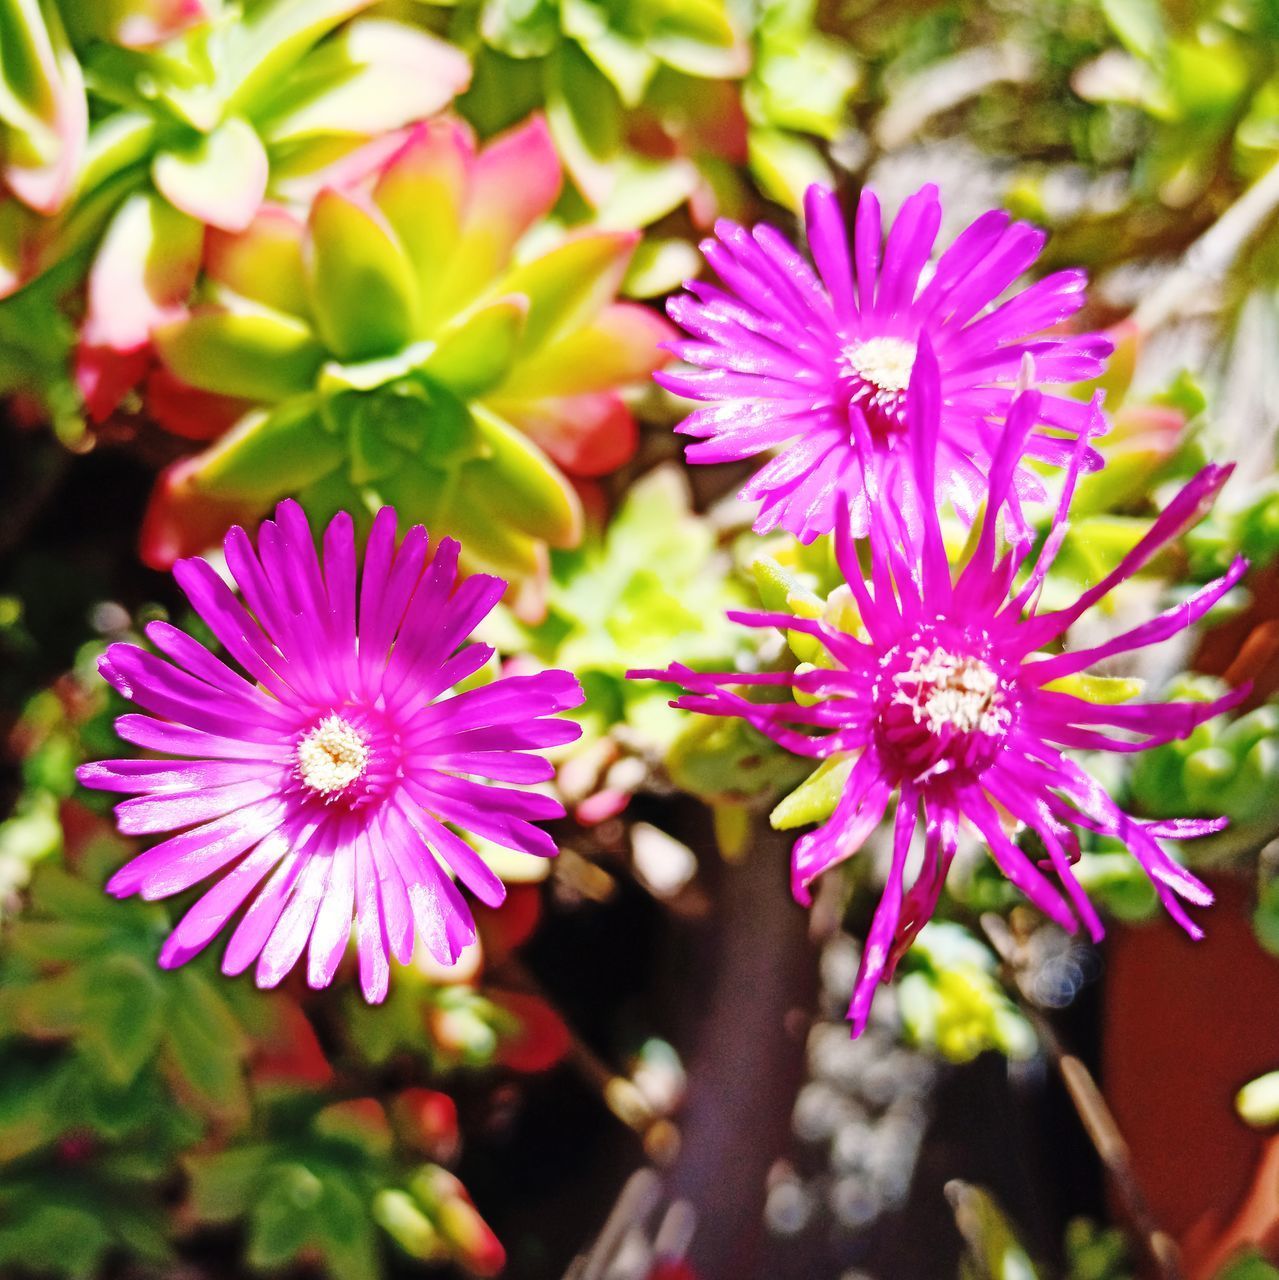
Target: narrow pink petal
x: 182, y: 860
x: 875, y: 953
x: 292, y: 931
x: 209, y: 913
x: 375, y: 967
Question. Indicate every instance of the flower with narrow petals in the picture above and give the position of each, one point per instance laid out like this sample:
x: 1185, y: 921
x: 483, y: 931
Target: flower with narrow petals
x: 332, y: 782
x: 813, y: 372
x: 945, y: 694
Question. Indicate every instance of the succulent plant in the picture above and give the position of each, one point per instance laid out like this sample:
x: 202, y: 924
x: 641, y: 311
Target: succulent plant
x: 199, y: 113
x: 653, y: 104
x: 393, y: 347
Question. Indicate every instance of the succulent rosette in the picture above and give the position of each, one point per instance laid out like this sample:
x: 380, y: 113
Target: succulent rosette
x: 654, y: 104
x: 396, y: 349
x: 207, y: 113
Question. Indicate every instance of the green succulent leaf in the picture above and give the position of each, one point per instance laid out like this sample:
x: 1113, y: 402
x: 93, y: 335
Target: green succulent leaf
x: 271, y: 453
x: 520, y: 28
x: 584, y: 112
x: 253, y: 355
x: 474, y: 356
x: 519, y: 482
x: 359, y: 279
x: 570, y: 283
x: 815, y: 798
x: 220, y: 178
x: 272, y: 38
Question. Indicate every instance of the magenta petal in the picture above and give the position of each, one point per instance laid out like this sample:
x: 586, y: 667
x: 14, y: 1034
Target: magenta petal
x: 879, y: 940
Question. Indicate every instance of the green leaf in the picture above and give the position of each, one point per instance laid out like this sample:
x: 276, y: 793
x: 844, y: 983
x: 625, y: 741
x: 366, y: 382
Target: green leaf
x: 1104, y: 690
x: 815, y: 798
x: 781, y: 590
x: 220, y: 179
x: 620, y: 56
x: 785, y: 166
x: 1251, y: 1267
x: 804, y: 86
x: 264, y: 44
x: 124, y: 1015
x: 694, y: 36
x: 359, y: 279
x: 644, y: 190
x: 518, y: 484
x: 206, y: 1046
x: 570, y: 284
x: 252, y: 355
x: 269, y: 454
x: 398, y: 1214
x: 475, y: 355
x: 116, y: 142
x: 224, y: 1183
x: 372, y: 375
x: 345, y: 1232
x: 659, y: 266
x: 520, y: 28
x: 584, y: 113
x: 1139, y: 24
x: 994, y: 1252
x: 373, y: 77
x: 283, y: 1216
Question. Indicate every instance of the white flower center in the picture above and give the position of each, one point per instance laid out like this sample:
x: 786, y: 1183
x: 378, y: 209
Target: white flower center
x: 332, y: 756
x: 945, y: 691
x: 885, y: 363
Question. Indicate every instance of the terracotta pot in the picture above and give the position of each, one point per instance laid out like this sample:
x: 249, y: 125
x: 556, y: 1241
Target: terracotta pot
x: 1185, y: 1025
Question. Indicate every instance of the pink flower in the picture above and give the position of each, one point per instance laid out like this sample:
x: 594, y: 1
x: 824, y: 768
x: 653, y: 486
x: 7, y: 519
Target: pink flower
x: 813, y: 373
x: 946, y: 698
x: 320, y: 787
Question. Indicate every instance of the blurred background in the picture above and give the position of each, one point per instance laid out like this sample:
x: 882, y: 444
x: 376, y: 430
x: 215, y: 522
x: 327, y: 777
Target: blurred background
x: 641, y: 1071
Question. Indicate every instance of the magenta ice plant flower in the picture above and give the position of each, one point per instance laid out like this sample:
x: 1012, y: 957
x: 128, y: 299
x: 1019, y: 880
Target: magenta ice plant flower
x: 810, y: 371
x: 947, y: 694
x: 333, y: 782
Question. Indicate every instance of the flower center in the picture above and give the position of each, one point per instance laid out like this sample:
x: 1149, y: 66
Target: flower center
x: 885, y: 363
x: 947, y: 692
x: 332, y: 756
x: 873, y: 376
x: 940, y: 711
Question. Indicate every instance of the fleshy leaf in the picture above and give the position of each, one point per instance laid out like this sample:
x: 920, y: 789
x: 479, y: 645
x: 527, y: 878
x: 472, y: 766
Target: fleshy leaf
x: 621, y: 345
x: 519, y: 479
x: 142, y: 273
x: 269, y: 454
x: 44, y: 116
x: 587, y: 435
x: 220, y: 180
x: 263, y: 262
x: 584, y: 113
x: 475, y: 356
x: 514, y: 181
x: 273, y: 37
x: 253, y: 355
x: 815, y: 798
x: 520, y: 28
x: 571, y: 283
x: 422, y: 192
x: 1103, y: 690
x: 375, y: 75
x: 359, y: 279
x: 696, y: 37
